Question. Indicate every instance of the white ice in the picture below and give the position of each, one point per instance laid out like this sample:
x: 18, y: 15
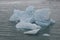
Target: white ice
x: 41, y: 17
x: 33, y: 27
x: 28, y: 14
x: 45, y: 34
x: 42, y: 14
x: 16, y: 15
x: 22, y: 15
x: 24, y: 25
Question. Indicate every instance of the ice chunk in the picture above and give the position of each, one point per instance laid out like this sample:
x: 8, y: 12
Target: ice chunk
x: 16, y: 15
x: 30, y: 10
x: 23, y: 15
x: 45, y: 23
x: 28, y: 14
x: 33, y: 28
x: 24, y: 25
x: 46, y: 34
x: 52, y: 21
x: 42, y: 17
x: 32, y: 31
x: 42, y: 14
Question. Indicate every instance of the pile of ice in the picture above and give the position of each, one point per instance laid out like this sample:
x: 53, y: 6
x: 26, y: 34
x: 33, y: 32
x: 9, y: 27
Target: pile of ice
x: 32, y: 19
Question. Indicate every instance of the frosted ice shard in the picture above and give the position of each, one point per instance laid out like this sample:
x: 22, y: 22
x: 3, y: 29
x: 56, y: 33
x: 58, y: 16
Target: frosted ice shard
x: 16, y: 15
x: 42, y: 14
x: 33, y: 28
x: 28, y: 14
x: 30, y: 10
x: 35, y: 31
x: 42, y: 17
x: 24, y: 25
x: 22, y: 15
x: 46, y: 34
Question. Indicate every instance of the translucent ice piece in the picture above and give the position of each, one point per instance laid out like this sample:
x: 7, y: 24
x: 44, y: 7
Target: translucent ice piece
x: 24, y: 25
x: 16, y: 15
x: 28, y: 14
x: 32, y: 31
x: 42, y: 14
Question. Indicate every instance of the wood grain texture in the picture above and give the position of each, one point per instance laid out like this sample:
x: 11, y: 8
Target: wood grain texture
x: 8, y: 30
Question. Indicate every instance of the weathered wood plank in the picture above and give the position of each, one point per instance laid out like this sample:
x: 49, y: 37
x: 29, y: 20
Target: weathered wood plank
x: 7, y: 30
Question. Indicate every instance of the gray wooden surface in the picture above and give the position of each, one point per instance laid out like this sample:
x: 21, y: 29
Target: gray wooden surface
x: 55, y: 30
x: 8, y: 30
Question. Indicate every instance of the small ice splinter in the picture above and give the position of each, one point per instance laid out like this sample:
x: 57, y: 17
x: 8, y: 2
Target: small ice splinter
x: 45, y: 34
x: 32, y: 31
